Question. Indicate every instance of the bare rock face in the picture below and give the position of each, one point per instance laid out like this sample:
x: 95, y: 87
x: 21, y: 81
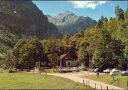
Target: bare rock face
x: 68, y: 22
x: 22, y: 19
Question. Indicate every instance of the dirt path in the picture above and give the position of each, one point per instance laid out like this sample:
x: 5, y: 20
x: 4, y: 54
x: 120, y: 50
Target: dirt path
x: 77, y: 77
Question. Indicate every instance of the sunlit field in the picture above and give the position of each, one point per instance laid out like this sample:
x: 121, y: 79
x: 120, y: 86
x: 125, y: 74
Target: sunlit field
x: 37, y: 81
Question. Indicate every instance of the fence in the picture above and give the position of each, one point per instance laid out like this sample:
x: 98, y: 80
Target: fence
x: 98, y: 85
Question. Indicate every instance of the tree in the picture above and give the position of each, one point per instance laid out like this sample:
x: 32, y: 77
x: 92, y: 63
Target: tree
x: 66, y: 42
x: 124, y: 62
x: 54, y: 57
x: 53, y: 48
x: 103, y: 54
x: 83, y: 55
x: 104, y: 19
x: 100, y: 24
x: 119, y: 12
x: 8, y: 62
x: 25, y: 53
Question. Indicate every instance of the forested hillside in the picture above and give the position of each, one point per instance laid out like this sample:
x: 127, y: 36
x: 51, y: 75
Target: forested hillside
x: 22, y: 19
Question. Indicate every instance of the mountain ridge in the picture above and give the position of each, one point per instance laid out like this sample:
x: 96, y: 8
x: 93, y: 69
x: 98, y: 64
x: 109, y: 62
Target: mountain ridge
x: 22, y: 19
x: 68, y: 22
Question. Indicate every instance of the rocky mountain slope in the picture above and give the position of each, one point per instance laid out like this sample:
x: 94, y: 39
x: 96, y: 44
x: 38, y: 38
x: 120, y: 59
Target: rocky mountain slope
x: 70, y: 23
x: 22, y: 19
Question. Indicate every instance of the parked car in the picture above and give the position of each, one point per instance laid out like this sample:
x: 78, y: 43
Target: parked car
x: 124, y: 73
x: 107, y: 70
x: 92, y: 70
x: 115, y: 72
x: 81, y: 67
x: 65, y: 69
x: 75, y: 69
x: 98, y: 70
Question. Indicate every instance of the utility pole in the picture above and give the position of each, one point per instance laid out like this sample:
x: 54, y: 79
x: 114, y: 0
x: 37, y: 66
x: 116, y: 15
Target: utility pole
x: 127, y: 61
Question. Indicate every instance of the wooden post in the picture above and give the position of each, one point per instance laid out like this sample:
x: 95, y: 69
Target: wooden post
x: 101, y: 87
x: 107, y: 87
x: 33, y: 71
x: 95, y: 85
x: 113, y: 78
x: 89, y: 83
x: 60, y: 63
x: 118, y: 82
x: 97, y: 74
x: 127, y: 82
x: 39, y: 66
x: 83, y: 81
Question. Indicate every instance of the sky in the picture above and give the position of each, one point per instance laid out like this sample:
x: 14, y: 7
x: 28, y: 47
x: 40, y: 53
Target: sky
x: 93, y: 9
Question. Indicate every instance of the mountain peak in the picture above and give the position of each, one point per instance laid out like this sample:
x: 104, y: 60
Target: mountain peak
x: 70, y: 23
x: 66, y: 12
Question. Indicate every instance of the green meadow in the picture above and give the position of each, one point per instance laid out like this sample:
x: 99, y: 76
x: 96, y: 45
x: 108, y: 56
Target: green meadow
x: 37, y: 81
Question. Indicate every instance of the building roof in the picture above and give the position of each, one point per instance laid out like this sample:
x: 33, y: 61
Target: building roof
x: 62, y: 56
x: 66, y: 56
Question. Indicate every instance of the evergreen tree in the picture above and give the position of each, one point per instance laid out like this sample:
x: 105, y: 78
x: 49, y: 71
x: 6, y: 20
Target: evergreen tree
x: 119, y: 12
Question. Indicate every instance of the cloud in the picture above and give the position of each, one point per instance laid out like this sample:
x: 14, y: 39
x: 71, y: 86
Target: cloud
x: 87, y: 4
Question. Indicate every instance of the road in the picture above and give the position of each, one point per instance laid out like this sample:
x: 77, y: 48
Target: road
x: 77, y: 77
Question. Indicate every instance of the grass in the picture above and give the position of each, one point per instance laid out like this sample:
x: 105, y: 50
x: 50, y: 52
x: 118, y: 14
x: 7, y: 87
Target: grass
x: 109, y: 80
x: 36, y: 81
